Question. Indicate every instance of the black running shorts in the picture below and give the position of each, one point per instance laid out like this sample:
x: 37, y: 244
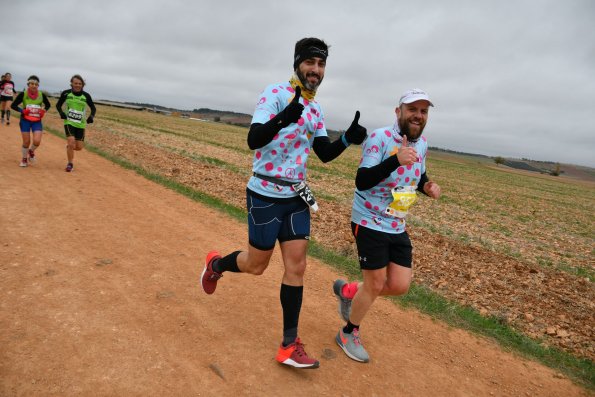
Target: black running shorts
x: 377, y: 249
x: 77, y: 133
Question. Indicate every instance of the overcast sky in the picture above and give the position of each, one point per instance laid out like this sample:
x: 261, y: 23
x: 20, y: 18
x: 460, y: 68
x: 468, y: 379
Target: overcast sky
x: 512, y: 79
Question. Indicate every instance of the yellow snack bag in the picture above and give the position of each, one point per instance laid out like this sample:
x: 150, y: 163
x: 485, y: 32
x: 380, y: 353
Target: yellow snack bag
x: 403, y: 199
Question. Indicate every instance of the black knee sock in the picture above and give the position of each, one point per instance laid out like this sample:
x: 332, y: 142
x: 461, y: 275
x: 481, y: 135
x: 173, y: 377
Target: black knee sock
x: 291, y: 302
x: 228, y: 263
x: 350, y: 327
x: 3, y: 112
x: 8, y: 115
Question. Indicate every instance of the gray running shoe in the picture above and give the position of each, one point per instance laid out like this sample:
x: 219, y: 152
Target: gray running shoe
x: 344, y: 303
x: 352, y: 346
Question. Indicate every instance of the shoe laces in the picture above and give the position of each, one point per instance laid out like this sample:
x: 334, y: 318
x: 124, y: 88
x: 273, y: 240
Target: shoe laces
x: 215, y: 276
x: 356, y: 340
x: 299, y: 349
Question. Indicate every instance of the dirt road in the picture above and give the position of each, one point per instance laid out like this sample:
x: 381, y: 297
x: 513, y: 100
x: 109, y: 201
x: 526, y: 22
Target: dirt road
x: 99, y: 296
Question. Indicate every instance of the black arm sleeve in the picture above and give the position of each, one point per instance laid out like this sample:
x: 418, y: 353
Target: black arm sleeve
x: 327, y: 150
x: 422, y: 181
x: 262, y: 134
x: 367, y: 178
x: 46, y: 101
x: 90, y: 103
x: 17, y: 101
x: 61, y: 102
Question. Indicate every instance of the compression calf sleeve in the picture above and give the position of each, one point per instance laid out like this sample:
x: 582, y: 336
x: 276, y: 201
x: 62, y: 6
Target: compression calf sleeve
x: 228, y: 263
x: 291, y: 302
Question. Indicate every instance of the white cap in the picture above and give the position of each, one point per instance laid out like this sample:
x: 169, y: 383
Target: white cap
x: 413, y: 95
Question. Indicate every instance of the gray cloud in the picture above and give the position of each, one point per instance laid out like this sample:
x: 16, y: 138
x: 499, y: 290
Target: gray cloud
x: 507, y: 79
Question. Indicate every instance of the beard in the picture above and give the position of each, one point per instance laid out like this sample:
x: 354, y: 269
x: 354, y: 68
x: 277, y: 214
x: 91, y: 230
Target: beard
x: 414, y: 134
x: 304, y: 80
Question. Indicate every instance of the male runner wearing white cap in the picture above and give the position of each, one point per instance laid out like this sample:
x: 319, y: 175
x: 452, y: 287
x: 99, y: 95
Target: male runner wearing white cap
x: 392, y: 168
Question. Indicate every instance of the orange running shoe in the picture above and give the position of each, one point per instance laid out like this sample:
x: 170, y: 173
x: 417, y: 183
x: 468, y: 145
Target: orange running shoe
x: 294, y: 355
x: 209, y: 278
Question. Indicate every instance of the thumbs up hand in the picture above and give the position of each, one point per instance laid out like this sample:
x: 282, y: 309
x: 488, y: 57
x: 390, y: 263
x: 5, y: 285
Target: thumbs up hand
x: 356, y: 133
x: 406, y: 155
x: 293, y: 111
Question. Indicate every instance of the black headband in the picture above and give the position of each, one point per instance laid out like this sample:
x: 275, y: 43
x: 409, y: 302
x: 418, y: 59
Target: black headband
x: 309, y: 52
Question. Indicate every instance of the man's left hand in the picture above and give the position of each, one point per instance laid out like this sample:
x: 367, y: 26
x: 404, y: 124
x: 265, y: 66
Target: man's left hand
x: 432, y: 189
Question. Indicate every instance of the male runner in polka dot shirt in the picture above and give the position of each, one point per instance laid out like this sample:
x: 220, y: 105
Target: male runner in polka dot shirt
x: 287, y: 126
x: 392, y: 157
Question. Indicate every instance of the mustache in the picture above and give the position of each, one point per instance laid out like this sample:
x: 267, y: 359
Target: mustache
x: 309, y: 74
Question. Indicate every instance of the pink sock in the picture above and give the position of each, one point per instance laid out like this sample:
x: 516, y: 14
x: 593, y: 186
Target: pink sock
x: 348, y: 291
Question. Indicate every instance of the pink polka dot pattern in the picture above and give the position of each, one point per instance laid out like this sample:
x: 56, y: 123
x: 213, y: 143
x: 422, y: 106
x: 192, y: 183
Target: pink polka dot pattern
x: 287, y: 154
x: 369, y: 205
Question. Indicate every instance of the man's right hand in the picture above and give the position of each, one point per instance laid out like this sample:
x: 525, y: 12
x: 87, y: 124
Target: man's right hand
x: 406, y: 155
x: 293, y: 111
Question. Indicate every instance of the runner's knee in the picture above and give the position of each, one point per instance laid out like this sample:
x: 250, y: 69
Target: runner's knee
x: 374, y: 285
x: 398, y: 287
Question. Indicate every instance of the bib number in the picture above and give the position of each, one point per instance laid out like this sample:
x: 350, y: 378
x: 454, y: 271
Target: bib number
x: 403, y: 199
x: 303, y: 190
x: 75, y: 116
x: 34, y: 112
